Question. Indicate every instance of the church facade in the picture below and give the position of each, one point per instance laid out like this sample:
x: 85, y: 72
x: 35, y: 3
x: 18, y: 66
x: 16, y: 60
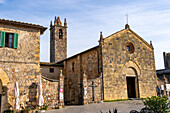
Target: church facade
x: 122, y: 66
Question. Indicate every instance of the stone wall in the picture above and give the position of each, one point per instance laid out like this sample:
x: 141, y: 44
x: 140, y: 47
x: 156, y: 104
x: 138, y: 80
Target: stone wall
x: 28, y: 45
x: 116, y: 61
x: 22, y: 65
x: 45, y: 71
x: 73, y: 71
x: 50, y: 92
x: 94, y: 91
x: 27, y: 76
x: 90, y: 64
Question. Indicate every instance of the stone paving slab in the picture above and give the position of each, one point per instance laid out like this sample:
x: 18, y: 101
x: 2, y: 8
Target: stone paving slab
x: 122, y: 106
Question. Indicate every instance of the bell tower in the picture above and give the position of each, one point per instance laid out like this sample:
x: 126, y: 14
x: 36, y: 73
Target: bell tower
x: 58, y: 40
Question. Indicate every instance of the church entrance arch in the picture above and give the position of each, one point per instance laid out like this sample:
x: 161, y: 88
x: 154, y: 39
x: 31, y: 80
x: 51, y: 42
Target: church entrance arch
x: 132, y: 83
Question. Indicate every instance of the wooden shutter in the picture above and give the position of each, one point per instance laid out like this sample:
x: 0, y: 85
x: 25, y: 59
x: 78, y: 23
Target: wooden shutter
x: 15, y: 40
x: 2, y: 39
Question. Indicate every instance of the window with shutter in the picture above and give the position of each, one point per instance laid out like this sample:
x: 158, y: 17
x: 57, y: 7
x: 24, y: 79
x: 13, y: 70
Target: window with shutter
x: 15, y: 40
x: 8, y: 39
x: 2, y: 38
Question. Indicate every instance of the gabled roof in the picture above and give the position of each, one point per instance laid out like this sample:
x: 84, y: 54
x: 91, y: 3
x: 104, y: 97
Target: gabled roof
x: 41, y: 28
x: 140, y: 38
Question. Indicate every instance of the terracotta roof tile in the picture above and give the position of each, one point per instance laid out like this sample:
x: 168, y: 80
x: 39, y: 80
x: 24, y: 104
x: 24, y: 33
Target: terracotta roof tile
x: 41, y: 28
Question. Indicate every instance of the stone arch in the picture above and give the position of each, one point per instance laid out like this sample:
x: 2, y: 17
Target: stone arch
x: 4, y: 77
x: 131, y: 65
x: 132, y: 72
x: 4, y: 80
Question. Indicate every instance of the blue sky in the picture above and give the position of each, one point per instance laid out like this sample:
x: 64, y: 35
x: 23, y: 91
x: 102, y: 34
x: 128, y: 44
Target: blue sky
x: 86, y: 18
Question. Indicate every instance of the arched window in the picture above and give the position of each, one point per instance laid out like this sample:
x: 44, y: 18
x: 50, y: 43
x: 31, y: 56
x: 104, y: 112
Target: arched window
x: 60, y: 33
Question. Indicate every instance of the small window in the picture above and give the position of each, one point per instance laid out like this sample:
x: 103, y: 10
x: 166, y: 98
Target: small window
x: 51, y: 70
x: 60, y: 33
x: 9, y: 40
x: 73, y: 67
x: 129, y: 47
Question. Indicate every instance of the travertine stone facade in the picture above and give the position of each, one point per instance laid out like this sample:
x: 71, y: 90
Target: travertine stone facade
x: 58, y: 41
x: 117, y: 60
x: 21, y: 64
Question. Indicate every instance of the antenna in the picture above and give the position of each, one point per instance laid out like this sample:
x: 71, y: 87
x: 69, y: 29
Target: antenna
x: 126, y: 18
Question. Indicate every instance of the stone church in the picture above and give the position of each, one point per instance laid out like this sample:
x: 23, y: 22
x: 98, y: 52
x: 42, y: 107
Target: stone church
x: 122, y: 66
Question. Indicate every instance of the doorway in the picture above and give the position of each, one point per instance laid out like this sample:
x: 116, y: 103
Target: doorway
x: 131, y: 87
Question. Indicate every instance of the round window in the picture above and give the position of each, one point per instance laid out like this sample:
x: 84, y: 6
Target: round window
x: 129, y: 47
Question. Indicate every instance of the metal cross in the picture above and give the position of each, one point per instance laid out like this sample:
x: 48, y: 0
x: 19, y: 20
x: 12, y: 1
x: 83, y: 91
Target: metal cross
x: 93, y: 90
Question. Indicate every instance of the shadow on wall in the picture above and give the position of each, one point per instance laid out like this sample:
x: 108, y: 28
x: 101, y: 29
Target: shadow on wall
x: 4, y: 99
x: 32, y: 96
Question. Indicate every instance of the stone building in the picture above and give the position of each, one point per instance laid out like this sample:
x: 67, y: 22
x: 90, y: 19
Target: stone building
x: 122, y: 66
x: 161, y: 73
x: 19, y: 62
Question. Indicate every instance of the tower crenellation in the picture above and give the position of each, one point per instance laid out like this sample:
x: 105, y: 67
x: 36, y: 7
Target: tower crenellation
x: 58, y: 40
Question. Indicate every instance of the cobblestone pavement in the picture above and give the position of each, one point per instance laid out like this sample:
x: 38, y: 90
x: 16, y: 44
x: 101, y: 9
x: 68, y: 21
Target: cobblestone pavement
x: 122, y: 106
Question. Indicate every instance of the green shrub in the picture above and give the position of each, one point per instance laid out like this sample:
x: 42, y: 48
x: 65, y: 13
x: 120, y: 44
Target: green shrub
x: 157, y: 104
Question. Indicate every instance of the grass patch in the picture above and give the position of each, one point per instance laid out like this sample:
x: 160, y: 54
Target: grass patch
x: 143, y: 98
x: 115, y: 100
